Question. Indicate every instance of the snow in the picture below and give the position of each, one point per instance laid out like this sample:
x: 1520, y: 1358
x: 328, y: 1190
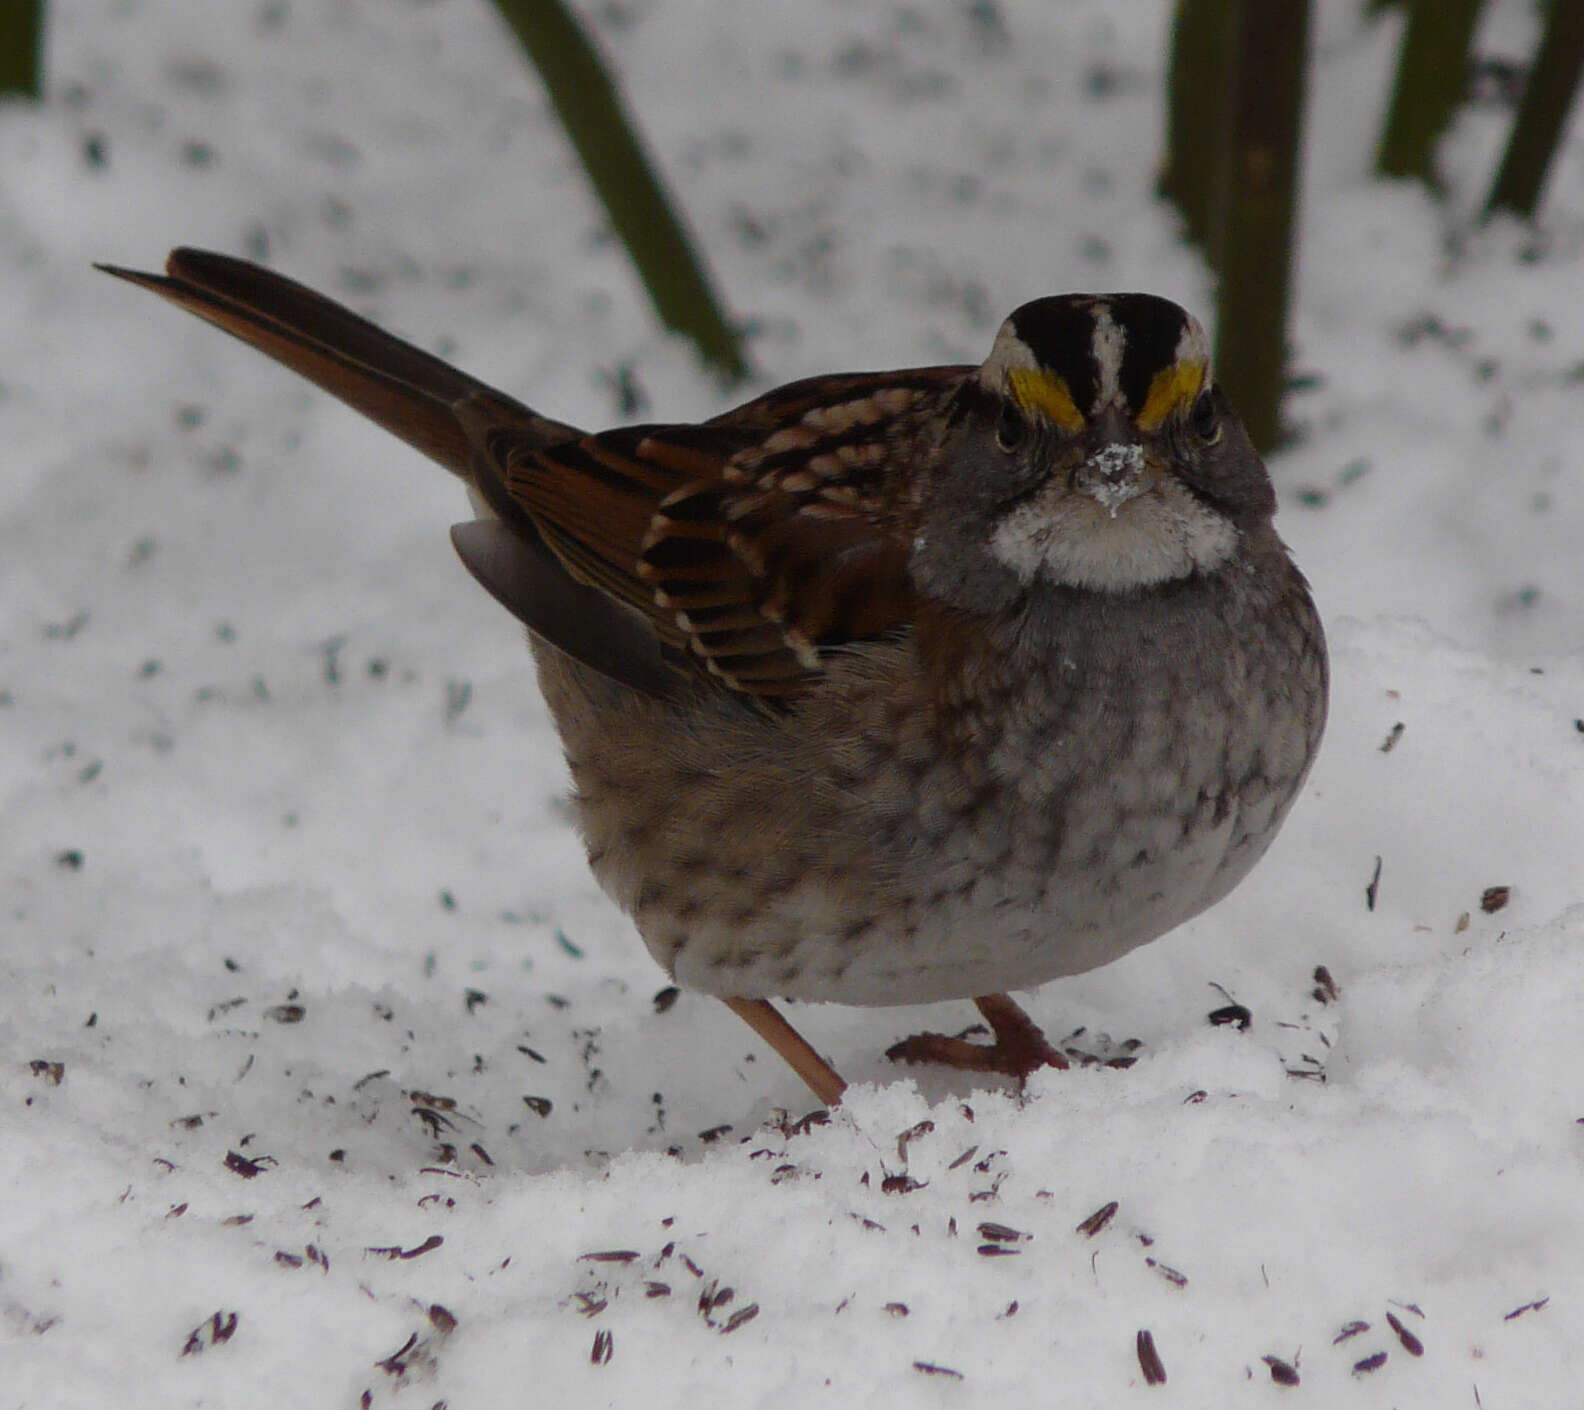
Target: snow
x: 295, y: 924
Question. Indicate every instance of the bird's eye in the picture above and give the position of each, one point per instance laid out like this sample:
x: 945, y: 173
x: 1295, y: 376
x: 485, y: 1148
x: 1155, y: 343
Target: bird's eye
x: 1010, y: 428
x: 1206, y: 424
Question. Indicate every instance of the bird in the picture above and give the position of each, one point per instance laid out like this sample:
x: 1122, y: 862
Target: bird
x: 885, y: 687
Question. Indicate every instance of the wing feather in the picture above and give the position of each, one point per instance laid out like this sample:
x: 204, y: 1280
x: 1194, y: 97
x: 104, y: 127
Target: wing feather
x: 754, y: 543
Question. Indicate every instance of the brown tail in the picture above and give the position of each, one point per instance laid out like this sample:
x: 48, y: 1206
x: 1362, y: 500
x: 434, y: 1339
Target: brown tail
x: 448, y: 416
x: 407, y: 391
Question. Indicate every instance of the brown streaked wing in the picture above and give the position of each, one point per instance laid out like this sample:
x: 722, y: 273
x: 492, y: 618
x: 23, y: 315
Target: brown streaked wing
x: 786, y: 406
x: 726, y: 538
x: 595, y: 499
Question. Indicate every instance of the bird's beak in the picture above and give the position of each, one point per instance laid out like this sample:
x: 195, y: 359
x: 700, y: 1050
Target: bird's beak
x: 1116, y: 468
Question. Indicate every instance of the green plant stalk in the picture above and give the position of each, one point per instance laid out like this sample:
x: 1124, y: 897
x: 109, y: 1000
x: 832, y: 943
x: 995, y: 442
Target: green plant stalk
x: 1553, y: 83
x: 1256, y: 215
x: 590, y: 108
x: 1199, y: 114
x: 1432, y: 75
x: 22, y: 47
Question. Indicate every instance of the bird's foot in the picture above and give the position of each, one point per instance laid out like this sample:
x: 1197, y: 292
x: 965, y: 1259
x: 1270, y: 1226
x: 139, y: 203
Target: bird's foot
x: 1018, y: 1050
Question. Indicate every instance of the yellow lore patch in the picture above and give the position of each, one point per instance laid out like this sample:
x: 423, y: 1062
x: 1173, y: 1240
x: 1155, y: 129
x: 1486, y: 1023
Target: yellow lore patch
x: 1171, y: 388
x: 1038, y: 390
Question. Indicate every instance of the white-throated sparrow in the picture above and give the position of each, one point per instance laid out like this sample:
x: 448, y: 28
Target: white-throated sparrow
x: 885, y: 687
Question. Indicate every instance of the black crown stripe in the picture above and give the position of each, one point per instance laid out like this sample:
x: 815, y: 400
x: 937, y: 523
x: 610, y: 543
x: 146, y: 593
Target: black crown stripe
x: 1154, y: 331
x: 1059, y: 332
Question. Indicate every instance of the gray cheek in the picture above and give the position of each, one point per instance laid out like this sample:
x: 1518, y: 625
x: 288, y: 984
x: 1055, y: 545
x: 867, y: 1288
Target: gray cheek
x: 949, y: 564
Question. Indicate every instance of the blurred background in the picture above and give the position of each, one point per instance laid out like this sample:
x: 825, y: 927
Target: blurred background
x: 287, y: 869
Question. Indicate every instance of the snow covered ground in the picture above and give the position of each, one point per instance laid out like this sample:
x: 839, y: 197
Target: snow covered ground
x: 328, y: 1077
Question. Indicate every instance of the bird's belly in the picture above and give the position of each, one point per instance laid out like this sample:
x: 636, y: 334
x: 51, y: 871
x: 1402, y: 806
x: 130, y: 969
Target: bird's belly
x: 903, y: 868
x: 964, y: 927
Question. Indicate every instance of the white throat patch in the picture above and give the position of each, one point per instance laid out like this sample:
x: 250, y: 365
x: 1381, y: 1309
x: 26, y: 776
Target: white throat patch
x: 1076, y: 540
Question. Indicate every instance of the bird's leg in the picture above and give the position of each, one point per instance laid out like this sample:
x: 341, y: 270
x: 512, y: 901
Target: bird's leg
x: 1019, y: 1047
x: 784, y: 1039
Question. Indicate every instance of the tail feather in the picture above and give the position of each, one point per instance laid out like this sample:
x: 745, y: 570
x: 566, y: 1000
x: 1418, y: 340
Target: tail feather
x: 448, y: 416
x: 404, y: 389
